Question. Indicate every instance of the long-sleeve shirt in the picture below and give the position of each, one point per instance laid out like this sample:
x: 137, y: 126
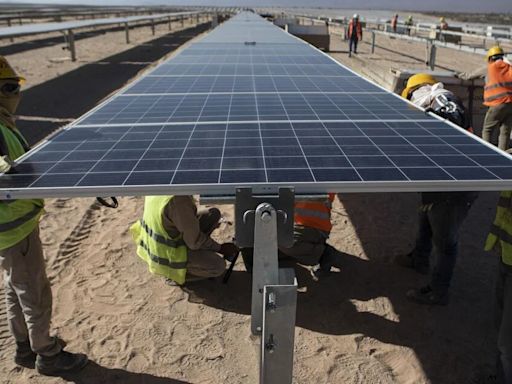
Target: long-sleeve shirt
x: 180, y: 216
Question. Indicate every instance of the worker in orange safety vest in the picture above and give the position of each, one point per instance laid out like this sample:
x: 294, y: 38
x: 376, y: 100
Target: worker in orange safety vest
x: 312, y: 226
x: 355, y: 33
x: 498, y: 97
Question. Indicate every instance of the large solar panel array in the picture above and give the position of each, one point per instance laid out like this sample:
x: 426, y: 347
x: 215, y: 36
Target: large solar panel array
x: 36, y: 28
x: 250, y: 105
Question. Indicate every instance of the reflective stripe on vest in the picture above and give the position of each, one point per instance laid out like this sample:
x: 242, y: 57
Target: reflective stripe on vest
x: 4, y: 227
x: 160, y: 260
x: 498, y: 87
x: 160, y: 239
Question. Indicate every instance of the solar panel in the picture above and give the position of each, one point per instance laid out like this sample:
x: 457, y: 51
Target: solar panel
x: 223, y: 114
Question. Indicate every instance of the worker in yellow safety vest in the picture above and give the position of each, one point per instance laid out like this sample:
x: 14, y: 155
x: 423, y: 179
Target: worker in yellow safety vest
x: 27, y: 289
x: 500, y: 240
x: 173, y: 238
x: 312, y: 227
x: 498, y: 97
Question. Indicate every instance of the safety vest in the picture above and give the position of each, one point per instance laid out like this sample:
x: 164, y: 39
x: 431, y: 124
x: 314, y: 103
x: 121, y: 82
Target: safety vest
x: 315, y: 214
x: 498, y: 86
x: 165, y: 256
x: 501, y: 229
x: 18, y: 218
x: 359, y: 30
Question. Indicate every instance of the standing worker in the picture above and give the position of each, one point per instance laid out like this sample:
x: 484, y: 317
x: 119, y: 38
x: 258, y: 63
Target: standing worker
x: 394, y: 22
x: 28, y: 293
x: 355, y: 33
x: 443, y: 25
x: 498, y: 97
x: 173, y: 238
x: 441, y: 214
x: 500, y: 240
x: 409, y: 23
x: 312, y: 226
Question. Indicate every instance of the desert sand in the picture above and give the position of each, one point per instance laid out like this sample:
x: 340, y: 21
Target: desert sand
x: 354, y: 326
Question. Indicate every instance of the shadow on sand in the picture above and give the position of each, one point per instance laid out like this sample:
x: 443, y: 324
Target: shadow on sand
x: 449, y: 342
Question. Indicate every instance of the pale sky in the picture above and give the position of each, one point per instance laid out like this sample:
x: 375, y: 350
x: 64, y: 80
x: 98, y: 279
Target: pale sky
x: 486, y: 6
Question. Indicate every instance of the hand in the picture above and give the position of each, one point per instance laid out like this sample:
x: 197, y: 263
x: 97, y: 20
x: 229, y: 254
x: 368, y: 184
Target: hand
x: 229, y: 251
x: 5, y: 164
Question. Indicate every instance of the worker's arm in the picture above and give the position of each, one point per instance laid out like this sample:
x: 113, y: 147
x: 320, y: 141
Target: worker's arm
x: 476, y: 74
x: 183, y: 214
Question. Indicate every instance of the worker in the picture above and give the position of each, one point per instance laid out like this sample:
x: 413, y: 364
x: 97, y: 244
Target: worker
x: 27, y: 289
x: 355, y: 33
x: 394, y: 22
x: 443, y: 25
x: 441, y: 215
x: 173, y: 238
x: 500, y: 240
x: 498, y: 97
x: 312, y: 226
x: 409, y: 23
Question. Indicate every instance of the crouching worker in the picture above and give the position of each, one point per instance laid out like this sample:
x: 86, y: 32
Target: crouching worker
x: 173, y: 238
x: 311, y: 230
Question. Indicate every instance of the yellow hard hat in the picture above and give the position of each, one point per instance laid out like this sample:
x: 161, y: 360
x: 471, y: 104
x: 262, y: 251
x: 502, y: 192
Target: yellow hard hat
x: 8, y: 72
x: 441, y: 19
x: 416, y: 81
x: 496, y: 50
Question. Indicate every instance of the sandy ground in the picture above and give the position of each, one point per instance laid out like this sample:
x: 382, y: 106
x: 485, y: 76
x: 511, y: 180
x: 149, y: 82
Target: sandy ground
x: 353, y: 327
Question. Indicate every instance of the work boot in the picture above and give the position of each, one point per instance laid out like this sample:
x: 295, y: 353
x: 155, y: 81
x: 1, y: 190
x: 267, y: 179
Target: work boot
x: 408, y: 261
x: 62, y: 362
x: 426, y: 295
x: 24, y: 356
x: 328, y: 260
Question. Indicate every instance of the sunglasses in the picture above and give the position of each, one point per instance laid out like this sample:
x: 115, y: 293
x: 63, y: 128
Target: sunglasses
x: 10, y: 88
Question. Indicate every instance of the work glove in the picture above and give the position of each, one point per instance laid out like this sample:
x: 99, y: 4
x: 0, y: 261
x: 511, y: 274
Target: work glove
x: 5, y: 164
x: 229, y: 251
x: 426, y: 207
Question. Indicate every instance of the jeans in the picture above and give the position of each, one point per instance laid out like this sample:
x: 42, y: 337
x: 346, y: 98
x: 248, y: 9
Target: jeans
x: 504, y: 323
x: 439, y: 229
x: 353, y: 42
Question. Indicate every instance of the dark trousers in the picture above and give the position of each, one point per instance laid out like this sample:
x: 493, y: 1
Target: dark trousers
x: 353, y: 43
x: 439, y: 229
x: 504, y: 323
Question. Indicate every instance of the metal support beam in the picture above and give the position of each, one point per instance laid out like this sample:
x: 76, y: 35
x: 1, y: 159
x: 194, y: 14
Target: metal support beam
x: 71, y: 44
x: 432, y: 58
x: 153, y: 27
x: 373, y: 42
x: 265, y: 266
x: 169, y: 22
x: 182, y: 21
x: 127, y: 33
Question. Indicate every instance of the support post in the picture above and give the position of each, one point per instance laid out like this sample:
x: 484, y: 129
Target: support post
x: 169, y: 22
x: 182, y: 22
x: 127, y: 33
x: 153, y: 27
x: 71, y: 44
x: 274, y: 290
x: 373, y: 42
x: 11, y: 39
x: 432, y: 58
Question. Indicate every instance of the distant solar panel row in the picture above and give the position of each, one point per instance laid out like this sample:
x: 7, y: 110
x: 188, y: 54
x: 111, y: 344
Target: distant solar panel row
x: 223, y: 114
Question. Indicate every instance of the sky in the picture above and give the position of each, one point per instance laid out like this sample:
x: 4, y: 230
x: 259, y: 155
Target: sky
x: 486, y: 6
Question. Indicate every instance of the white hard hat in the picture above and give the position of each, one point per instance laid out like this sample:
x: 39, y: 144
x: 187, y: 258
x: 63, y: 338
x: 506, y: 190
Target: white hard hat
x: 356, y: 16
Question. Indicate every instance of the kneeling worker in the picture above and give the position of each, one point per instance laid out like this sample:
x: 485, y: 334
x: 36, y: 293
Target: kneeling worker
x: 311, y: 230
x: 173, y: 238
